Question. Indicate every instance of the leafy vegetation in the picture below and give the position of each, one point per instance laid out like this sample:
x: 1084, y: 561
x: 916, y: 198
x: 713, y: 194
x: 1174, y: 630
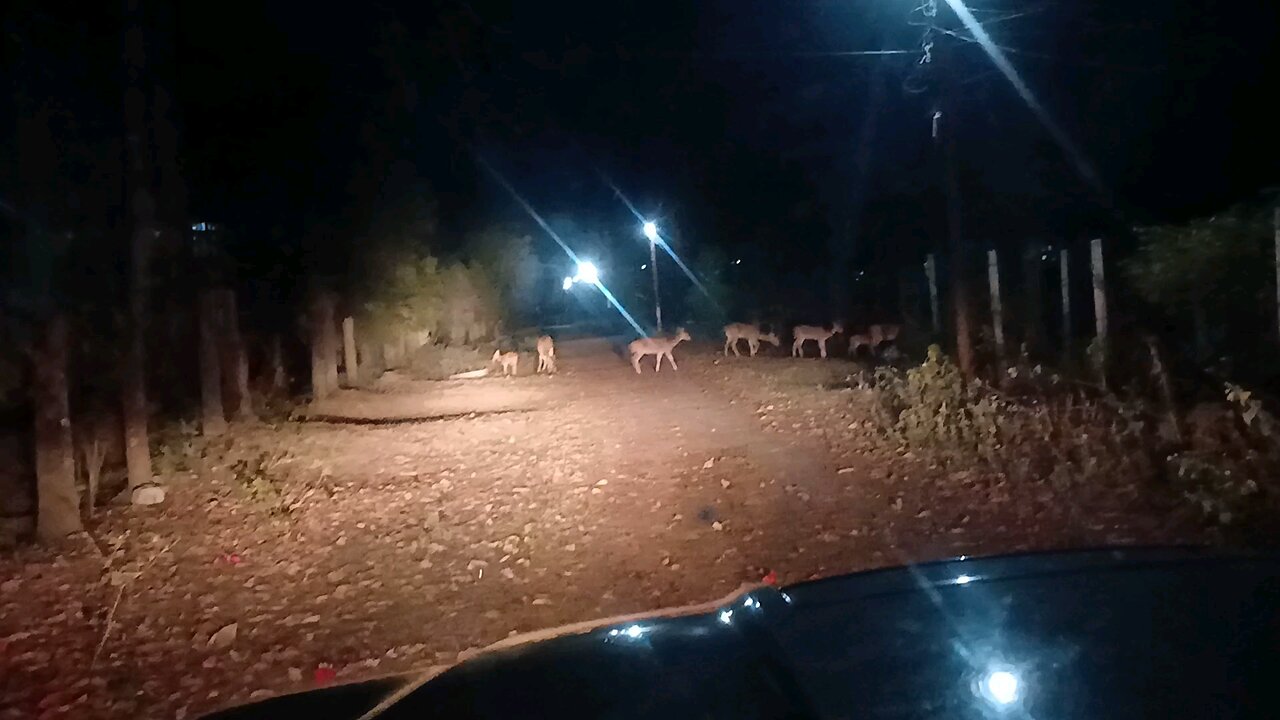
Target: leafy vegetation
x: 1082, y: 443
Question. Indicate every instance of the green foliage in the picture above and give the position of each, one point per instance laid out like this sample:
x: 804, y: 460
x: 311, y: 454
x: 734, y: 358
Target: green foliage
x: 1213, y: 259
x: 708, y: 305
x: 396, y: 285
x: 437, y: 362
x: 509, y: 267
x: 1231, y: 477
x: 261, y: 478
x: 1066, y: 440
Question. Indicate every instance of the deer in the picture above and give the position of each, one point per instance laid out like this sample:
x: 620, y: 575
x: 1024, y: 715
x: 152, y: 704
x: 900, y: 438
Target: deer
x: 733, y: 332
x: 884, y: 333
x: 509, y: 361
x: 801, y: 333
x: 546, y: 354
x: 660, y: 346
x: 875, y: 336
x: 861, y: 340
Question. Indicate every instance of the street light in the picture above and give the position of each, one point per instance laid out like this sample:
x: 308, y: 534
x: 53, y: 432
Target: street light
x: 588, y: 273
x: 651, y: 232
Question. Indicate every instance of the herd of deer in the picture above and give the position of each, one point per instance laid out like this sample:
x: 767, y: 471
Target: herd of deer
x: 510, y: 361
x: 662, y: 347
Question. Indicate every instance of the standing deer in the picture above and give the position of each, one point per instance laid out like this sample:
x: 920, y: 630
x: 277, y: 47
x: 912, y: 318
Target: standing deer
x: 733, y: 332
x: 660, y: 346
x: 884, y: 333
x: 801, y: 333
x: 546, y: 354
x: 509, y: 361
x: 861, y: 340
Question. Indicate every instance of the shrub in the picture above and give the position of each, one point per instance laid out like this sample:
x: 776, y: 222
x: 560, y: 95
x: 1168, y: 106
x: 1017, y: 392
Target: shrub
x: 438, y: 362
x: 1049, y: 435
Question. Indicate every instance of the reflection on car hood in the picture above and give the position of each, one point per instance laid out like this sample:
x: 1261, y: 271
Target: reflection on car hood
x: 1095, y: 634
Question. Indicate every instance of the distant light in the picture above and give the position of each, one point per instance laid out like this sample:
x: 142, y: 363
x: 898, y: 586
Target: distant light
x: 651, y: 230
x: 738, y: 261
x: 644, y: 266
x: 568, y: 283
x: 964, y: 579
x: 587, y: 273
x: 1001, y: 686
x: 633, y: 632
x: 750, y: 602
x: 726, y: 616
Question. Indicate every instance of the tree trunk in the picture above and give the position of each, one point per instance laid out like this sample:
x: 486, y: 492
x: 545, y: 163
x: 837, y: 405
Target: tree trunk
x: 279, y: 379
x: 349, y: 351
x: 235, y: 361
x: 58, y: 513
x: 322, y: 351
x: 213, y: 422
x: 142, y: 204
x: 369, y: 365
x: 334, y: 343
x: 935, y: 313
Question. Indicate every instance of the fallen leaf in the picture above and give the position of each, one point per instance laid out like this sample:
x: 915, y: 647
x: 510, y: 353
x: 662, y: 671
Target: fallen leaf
x: 224, y: 637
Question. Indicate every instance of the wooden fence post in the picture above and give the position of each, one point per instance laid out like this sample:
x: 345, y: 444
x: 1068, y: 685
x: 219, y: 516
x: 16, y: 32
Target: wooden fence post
x: 1276, y: 225
x: 1064, y: 274
x: 997, y: 310
x: 1099, y: 308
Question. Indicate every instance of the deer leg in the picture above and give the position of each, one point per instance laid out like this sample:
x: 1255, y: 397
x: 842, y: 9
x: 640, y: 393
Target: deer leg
x: 822, y: 348
x: 672, y: 359
x: 736, y: 353
x: 635, y: 363
x: 657, y: 367
x: 795, y: 348
x: 753, y: 346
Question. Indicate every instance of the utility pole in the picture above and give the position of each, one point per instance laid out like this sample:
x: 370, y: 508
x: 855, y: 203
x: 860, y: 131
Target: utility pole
x: 657, y: 297
x: 651, y: 231
x: 945, y: 133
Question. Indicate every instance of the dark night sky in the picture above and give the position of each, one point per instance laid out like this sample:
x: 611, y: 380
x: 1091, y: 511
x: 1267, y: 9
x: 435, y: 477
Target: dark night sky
x: 728, y: 116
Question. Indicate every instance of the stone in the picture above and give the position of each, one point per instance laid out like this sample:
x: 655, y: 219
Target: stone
x: 147, y: 495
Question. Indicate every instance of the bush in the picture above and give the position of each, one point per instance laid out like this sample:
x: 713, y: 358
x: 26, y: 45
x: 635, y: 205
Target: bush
x: 1079, y: 443
x: 1057, y: 436
x: 1229, y: 474
x: 438, y: 362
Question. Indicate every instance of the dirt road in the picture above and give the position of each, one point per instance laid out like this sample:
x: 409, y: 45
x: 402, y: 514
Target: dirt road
x: 400, y: 525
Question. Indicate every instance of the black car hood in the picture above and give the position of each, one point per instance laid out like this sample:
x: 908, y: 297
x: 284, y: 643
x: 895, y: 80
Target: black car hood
x: 1095, y: 634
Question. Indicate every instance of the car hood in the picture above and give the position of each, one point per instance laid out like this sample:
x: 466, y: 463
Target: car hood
x: 1089, y: 634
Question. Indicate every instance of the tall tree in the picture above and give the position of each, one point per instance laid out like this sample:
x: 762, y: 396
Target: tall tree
x: 59, y: 508
x: 142, y: 206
